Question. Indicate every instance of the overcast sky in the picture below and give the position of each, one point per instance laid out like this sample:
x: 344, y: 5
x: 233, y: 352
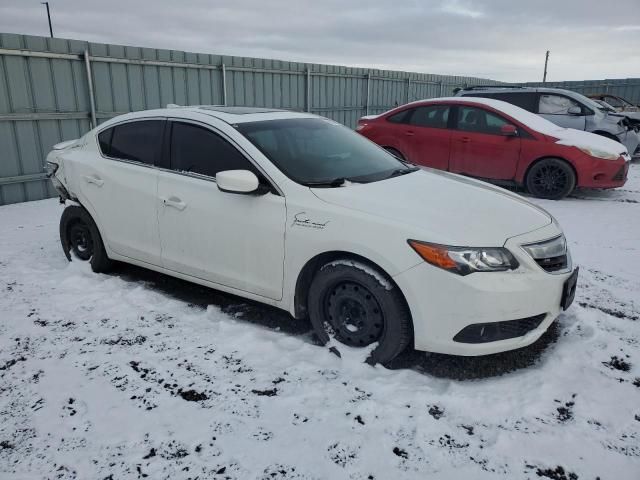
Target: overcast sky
x: 501, y: 39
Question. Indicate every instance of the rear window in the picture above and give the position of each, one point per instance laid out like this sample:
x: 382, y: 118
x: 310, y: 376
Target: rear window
x: 139, y: 141
x: 400, y: 117
x: 432, y: 116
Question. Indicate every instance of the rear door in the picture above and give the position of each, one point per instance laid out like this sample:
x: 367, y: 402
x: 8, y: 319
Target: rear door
x: 120, y: 186
x: 478, y: 147
x: 555, y: 108
x: 427, y: 137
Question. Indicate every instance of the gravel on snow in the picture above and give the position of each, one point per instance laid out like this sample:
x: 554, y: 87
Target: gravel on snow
x: 137, y: 375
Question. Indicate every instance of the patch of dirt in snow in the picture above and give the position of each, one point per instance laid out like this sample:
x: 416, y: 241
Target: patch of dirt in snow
x: 138, y: 375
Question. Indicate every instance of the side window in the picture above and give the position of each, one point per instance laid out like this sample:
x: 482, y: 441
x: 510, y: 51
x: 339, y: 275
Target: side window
x: 472, y: 119
x: 104, y: 139
x: 139, y: 141
x: 555, y: 104
x: 199, y: 150
x: 433, y: 116
x: 400, y: 117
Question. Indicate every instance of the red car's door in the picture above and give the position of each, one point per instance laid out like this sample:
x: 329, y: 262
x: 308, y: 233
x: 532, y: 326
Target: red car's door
x: 426, y: 136
x: 480, y: 148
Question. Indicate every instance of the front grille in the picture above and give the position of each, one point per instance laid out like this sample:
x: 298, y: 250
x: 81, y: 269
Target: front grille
x: 553, y: 264
x: 494, y: 331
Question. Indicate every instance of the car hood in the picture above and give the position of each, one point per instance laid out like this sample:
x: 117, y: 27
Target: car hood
x: 443, y: 207
x: 581, y: 139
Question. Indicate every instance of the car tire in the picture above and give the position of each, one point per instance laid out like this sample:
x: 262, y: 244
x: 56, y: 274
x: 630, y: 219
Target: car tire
x: 395, y: 153
x: 81, y: 239
x: 357, y: 305
x: 550, y: 178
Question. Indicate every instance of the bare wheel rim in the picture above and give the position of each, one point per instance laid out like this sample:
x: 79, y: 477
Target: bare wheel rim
x: 550, y: 179
x: 80, y: 240
x: 353, y: 313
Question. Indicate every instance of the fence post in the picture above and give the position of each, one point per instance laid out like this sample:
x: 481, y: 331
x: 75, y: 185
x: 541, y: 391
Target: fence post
x: 441, y: 89
x: 224, y: 85
x: 408, y: 88
x: 308, y: 102
x: 92, y: 102
x: 366, y: 105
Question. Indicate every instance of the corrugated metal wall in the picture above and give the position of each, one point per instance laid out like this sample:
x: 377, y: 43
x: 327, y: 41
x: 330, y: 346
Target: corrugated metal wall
x: 45, y: 99
x: 628, y: 88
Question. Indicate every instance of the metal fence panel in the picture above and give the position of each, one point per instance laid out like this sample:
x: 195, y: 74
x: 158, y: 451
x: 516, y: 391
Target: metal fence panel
x: 45, y: 94
x: 627, y: 88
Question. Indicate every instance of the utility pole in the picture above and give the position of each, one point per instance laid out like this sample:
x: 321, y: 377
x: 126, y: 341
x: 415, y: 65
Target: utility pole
x: 546, y: 61
x: 48, y: 17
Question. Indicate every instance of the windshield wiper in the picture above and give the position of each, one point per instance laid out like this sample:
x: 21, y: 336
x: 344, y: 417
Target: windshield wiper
x: 334, y: 182
x: 402, y: 171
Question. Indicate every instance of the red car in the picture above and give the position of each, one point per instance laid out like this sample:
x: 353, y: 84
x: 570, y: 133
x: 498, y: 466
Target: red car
x: 498, y: 142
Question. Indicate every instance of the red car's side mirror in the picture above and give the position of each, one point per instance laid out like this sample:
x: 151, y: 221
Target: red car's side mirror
x: 509, y: 130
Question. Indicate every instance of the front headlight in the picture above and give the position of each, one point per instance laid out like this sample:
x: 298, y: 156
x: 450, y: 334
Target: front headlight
x: 465, y: 260
x: 594, y: 152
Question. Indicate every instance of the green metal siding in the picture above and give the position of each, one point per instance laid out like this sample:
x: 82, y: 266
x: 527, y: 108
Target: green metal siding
x: 46, y: 100
x: 627, y: 88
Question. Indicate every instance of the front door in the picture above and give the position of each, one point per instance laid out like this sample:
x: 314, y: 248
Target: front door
x: 561, y: 110
x: 230, y: 239
x: 478, y: 147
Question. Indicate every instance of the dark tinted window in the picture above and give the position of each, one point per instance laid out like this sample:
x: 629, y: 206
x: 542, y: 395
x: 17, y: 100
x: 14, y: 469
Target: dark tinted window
x: 104, y: 139
x: 471, y: 119
x: 400, y: 117
x: 311, y: 151
x: 138, y: 141
x: 199, y: 150
x: 432, y: 116
x: 526, y: 100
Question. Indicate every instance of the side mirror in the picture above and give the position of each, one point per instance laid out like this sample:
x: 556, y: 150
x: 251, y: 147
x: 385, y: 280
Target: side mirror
x: 237, y: 181
x: 575, y: 110
x: 509, y: 130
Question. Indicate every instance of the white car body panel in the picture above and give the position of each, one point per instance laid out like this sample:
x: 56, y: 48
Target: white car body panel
x: 256, y: 246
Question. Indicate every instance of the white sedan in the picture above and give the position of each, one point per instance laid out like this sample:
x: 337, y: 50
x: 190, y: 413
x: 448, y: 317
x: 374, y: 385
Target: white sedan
x: 299, y: 212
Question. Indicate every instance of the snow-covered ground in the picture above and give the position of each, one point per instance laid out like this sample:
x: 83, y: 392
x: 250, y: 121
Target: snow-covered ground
x: 134, y: 374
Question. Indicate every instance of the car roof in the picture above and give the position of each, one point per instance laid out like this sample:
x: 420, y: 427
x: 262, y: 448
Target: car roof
x: 512, y: 89
x: 230, y: 115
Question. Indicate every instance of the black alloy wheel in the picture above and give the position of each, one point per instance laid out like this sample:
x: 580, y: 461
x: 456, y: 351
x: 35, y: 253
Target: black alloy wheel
x: 551, y: 178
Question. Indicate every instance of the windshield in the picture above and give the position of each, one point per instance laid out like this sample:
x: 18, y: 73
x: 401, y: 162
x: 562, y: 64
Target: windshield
x: 605, y: 106
x: 316, y: 151
x: 587, y: 101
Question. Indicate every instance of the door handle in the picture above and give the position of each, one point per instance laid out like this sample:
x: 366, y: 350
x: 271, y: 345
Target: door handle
x: 465, y: 139
x: 409, y: 133
x: 174, y: 202
x: 93, y: 179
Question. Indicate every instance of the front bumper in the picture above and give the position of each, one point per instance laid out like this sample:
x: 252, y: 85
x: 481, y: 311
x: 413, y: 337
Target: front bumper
x: 597, y: 173
x: 442, y: 304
